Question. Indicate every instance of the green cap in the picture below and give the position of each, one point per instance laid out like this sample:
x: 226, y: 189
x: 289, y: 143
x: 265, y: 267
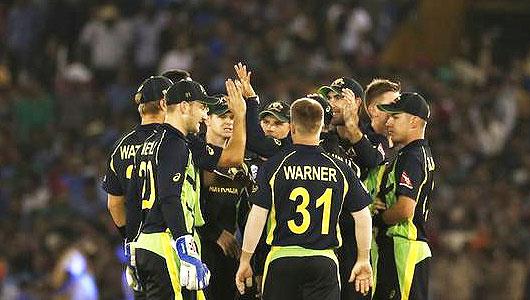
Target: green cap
x: 220, y: 107
x: 279, y: 109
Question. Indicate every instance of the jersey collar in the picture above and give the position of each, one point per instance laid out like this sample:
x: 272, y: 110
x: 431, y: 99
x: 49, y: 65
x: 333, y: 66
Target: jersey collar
x: 174, y: 131
x: 414, y: 144
x: 307, y: 147
x: 150, y: 126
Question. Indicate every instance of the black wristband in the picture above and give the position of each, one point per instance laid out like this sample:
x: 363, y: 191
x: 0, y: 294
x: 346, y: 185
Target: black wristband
x: 122, y: 230
x: 377, y: 220
x: 252, y: 98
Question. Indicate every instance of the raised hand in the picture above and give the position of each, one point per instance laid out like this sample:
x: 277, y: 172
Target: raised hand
x: 235, y: 101
x: 351, y: 108
x: 244, y: 77
x: 350, y: 111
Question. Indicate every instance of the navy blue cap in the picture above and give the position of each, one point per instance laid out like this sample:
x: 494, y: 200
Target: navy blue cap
x: 411, y: 103
x: 279, y: 109
x: 219, y: 108
x: 188, y: 90
x: 152, y: 89
x: 342, y: 83
x: 177, y: 75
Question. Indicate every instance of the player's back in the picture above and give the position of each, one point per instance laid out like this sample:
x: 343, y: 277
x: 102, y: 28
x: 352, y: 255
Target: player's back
x: 308, y: 189
x: 121, y: 160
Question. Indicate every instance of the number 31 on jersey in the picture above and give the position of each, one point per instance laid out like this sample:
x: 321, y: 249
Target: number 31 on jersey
x: 324, y: 199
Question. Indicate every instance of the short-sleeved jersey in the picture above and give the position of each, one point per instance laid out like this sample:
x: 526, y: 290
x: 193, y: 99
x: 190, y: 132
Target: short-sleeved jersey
x: 305, y: 190
x: 121, y: 160
x: 411, y: 174
x: 166, y: 179
x: 221, y: 193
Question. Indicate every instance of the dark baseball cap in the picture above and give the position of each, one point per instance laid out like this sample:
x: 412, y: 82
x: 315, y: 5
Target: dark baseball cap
x: 177, y: 75
x: 188, y: 90
x: 411, y: 103
x: 326, y: 107
x: 342, y: 83
x: 152, y: 89
x: 219, y: 108
x: 279, y: 109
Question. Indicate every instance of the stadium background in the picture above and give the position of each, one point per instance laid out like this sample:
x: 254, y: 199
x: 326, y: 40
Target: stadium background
x: 66, y: 87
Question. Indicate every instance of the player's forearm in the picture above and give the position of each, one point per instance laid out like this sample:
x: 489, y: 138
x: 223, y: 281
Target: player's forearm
x: 255, y: 223
x: 394, y: 216
x: 257, y: 142
x: 234, y: 152
x: 116, y: 206
x: 363, y: 233
x: 173, y: 213
x: 245, y: 256
x: 353, y: 134
x: 400, y: 211
x: 367, y: 155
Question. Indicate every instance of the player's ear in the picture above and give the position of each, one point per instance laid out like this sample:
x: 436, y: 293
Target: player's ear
x: 292, y: 128
x: 163, y: 104
x: 207, y: 121
x: 372, y: 110
x: 184, y: 107
x: 414, y: 122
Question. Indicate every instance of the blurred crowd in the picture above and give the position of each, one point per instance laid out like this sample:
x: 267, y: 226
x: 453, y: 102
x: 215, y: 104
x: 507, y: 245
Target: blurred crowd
x: 69, y: 68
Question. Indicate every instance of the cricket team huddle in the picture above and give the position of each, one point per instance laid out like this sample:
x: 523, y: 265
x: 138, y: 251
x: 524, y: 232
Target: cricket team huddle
x: 221, y: 197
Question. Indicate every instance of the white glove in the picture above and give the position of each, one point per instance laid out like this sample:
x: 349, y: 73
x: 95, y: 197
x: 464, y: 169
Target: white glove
x: 194, y: 274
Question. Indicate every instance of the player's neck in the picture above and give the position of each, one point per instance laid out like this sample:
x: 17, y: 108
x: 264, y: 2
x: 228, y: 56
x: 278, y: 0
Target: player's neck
x: 309, y: 140
x: 414, y: 137
x: 215, y: 139
x: 152, y: 119
x: 176, y: 122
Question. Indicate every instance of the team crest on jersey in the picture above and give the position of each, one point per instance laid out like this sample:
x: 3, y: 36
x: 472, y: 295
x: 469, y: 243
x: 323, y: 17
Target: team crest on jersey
x: 405, y: 180
x: 209, y: 149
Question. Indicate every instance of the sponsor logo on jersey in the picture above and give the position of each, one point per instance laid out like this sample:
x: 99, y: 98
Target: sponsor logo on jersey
x: 177, y: 177
x: 405, y: 180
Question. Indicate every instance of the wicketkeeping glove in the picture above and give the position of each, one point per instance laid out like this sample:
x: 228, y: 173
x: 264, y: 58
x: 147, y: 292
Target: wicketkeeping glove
x: 131, y: 273
x: 194, y: 274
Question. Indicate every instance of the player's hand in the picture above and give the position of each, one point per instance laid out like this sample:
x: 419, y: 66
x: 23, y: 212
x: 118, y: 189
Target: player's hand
x: 229, y: 244
x: 194, y: 274
x: 243, y: 276
x: 235, y: 101
x: 362, y: 276
x: 244, y: 77
x: 350, y: 111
